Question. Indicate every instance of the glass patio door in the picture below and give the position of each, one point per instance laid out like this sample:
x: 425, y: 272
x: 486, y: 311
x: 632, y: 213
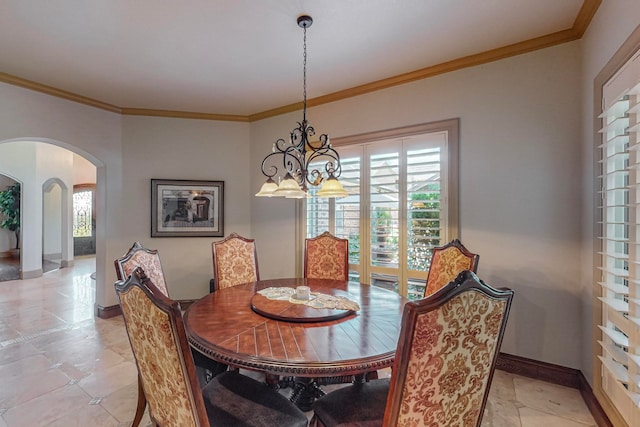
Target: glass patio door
x: 395, y: 212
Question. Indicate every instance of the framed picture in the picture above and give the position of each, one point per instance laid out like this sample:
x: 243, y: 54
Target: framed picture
x: 182, y: 208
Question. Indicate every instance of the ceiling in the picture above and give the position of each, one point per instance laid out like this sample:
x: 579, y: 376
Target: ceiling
x: 244, y: 58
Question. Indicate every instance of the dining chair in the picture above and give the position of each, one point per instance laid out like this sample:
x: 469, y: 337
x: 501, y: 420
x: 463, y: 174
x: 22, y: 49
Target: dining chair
x: 149, y: 261
x: 447, y: 262
x: 443, y: 368
x: 326, y: 257
x: 235, y: 261
x: 162, y: 354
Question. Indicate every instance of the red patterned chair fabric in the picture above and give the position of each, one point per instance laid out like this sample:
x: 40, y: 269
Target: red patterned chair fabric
x: 153, y: 323
x: 148, y: 259
x: 235, y: 261
x: 447, y: 262
x: 326, y: 257
x: 444, y: 363
x: 165, y: 367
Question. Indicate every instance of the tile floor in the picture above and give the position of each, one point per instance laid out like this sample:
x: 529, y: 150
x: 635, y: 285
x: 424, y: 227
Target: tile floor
x: 61, y: 366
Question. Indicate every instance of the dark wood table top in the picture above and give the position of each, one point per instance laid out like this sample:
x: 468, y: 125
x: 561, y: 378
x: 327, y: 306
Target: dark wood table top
x: 223, y: 326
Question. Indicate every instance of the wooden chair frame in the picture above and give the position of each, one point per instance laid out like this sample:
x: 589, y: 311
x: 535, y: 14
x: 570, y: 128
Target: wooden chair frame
x: 381, y: 403
x: 466, y: 281
x: 172, y: 308
x: 122, y: 276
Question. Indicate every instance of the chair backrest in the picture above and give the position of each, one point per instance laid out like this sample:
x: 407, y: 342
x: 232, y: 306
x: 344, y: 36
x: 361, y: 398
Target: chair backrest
x: 446, y: 355
x: 162, y: 354
x: 447, y: 262
x: 148, y: 259
x: 235, y: 261
x: 326, y: 257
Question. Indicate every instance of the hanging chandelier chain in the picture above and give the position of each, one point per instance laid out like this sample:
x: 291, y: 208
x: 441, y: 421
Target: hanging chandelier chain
x: 304, y: 75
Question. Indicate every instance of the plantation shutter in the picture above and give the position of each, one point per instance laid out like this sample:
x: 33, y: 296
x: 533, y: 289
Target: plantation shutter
x: 620, y: 241
x: 425, y: 220
x: 341, y: 217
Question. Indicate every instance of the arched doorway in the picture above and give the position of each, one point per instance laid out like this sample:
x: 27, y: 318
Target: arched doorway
x: 30, y: 161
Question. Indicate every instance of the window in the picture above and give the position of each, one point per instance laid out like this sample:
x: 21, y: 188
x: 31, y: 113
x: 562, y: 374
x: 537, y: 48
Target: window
x: 82, y: 213
x: 84, y: 220
x: 619, y: 235
x: 402, y: 202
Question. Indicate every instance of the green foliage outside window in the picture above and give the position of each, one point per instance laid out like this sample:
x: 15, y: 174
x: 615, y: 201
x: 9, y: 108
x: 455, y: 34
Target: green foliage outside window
x: 424, y: 229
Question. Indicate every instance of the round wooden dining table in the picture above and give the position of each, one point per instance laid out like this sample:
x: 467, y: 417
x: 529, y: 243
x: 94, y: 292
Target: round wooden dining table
x: 239, y: 327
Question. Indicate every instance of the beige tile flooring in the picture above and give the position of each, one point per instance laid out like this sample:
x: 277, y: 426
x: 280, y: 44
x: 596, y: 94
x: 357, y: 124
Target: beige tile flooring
x: 61, y: 366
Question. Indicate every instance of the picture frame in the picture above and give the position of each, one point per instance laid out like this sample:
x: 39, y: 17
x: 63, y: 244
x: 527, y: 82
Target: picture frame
x: 187, y: 208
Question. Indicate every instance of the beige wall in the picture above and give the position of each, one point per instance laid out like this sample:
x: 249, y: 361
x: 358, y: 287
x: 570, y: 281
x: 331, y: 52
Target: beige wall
x: 164, y: 148
x: 520, y: 183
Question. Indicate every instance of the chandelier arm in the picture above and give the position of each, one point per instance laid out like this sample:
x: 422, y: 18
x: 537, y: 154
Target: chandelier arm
x: 291, y: 155
x: 280, y: 146
x: 300, y: 136
x: 323, y: 152
x: 313, y: 176
x: 336, y: 171
x: 324, y: 140
x: 271, y: 167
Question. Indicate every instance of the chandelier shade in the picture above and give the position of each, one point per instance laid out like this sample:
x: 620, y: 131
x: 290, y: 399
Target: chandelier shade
x: 332, y: 188
x: 288, y: 167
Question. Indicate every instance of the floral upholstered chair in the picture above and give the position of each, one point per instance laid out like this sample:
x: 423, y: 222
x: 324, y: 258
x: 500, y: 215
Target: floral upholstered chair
x: 447, y: 262
x: 148, y: 259
x: 443, y: 368
x: 326, y: 257
x: 235, y: 261
x: 165, y: 367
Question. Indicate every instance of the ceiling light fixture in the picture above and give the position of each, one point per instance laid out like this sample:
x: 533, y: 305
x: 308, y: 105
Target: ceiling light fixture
x: 299, y: 152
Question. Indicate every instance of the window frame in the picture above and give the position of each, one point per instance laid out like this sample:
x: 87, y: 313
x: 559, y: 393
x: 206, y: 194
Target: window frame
x: 622, y: 56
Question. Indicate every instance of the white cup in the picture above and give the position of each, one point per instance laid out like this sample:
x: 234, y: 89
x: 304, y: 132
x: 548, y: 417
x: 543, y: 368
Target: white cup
x: 303, y: 292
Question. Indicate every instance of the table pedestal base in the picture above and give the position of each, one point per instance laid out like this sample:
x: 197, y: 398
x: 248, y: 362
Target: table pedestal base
x: 307, y: 390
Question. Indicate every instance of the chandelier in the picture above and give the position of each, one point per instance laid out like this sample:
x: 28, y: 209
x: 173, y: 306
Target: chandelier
x: 294, y: 156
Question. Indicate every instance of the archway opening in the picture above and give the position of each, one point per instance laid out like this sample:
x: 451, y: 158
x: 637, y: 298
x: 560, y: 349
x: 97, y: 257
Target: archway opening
x: 39, y: 165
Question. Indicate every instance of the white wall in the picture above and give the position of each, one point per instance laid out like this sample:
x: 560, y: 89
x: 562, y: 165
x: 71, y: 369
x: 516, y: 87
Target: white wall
x: 611, y: 26
x: 84, y: 172
x: 52, y: 222
x: 520, y: 183
x: 166, y: 148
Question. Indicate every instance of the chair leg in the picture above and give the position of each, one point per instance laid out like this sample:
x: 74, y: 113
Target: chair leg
x: 315, y: 422
x: 142, y: 404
